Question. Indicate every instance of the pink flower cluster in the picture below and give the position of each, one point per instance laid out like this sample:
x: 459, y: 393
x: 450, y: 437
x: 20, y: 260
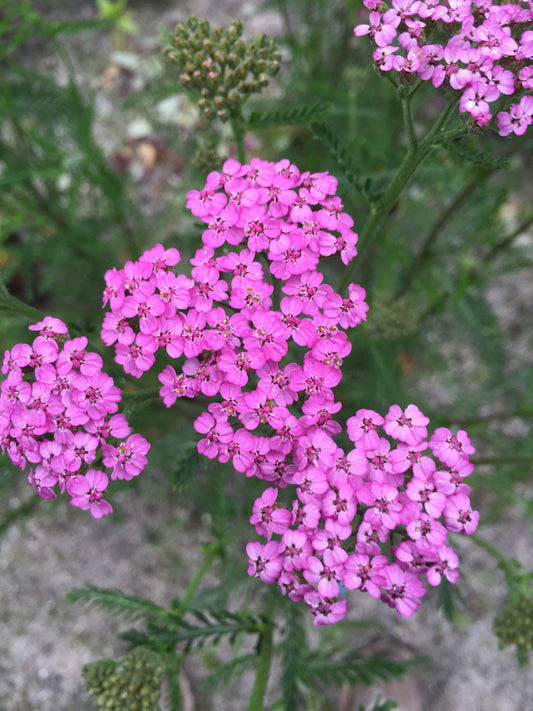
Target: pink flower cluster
x: 270, y: 346
x: 482, y: 49
x: 58, y: 412
x: 350, y: 507
x: 221, y: 319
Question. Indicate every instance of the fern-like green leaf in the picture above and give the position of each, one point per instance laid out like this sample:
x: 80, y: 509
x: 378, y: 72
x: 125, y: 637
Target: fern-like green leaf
x: 214, y: 626
x: 482, y: 327
x: 288, y: 117
x: 446, y: 601
x: 341, y: 155
x: 352, y: 669
x: 131, y: 607
x: 294, y: 653
x: 228, y: 673
x: 459, y: 148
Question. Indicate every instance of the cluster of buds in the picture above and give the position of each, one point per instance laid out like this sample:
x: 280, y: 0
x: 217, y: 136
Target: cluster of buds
x: 131, y: 684
x: 514, y: 624
x: 219, y: 65
x: 482, y: 49
x: 58, y: 413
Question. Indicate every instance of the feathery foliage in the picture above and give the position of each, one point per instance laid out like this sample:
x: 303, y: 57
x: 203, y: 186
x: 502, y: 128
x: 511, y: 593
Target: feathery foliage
x: 341, y: 154
x: 291, y: 116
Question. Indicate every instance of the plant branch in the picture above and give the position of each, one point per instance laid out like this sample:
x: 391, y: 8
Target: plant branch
x: 263, y: 668
x: 413, y: 158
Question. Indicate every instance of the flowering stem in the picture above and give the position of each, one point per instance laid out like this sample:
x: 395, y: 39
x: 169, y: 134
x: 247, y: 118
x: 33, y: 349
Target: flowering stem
x: 407, y: 112
x: 173, y: 665
x: 517, y: 578
x: 213, y: 550
x: 433, y: 234
x: 509, y: 239
x: 417, y: 152
x: 263, y: 667
x: 237, y: 126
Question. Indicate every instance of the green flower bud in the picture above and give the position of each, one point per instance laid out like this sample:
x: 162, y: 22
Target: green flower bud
x: 514, y: 624
x: 391, y: 317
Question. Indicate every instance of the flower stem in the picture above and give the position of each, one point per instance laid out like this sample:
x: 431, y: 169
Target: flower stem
x: 237, y: 126
x: 173, y: 665
x: 517, y: 578
x: 212, y: 550
x: 417, y: 152
x: 425, y: 251
x: 263, y: 668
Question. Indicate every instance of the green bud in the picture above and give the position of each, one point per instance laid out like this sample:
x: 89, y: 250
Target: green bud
x: 224, y: 46
x: 514, y: 624
x: 235, y: 29
x: 204, y: 26
x: 234, y: 100
x: 233, y: 60
x: 390, y: 317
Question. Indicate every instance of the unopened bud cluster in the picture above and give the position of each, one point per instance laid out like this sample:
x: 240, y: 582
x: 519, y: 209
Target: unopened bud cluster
x: 132, y: 684
x: 221, y: 66
x: 514, y: 624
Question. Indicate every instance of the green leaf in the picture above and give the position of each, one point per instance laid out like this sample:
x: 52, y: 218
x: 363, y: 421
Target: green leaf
x: 460, y: 148
x: 131, y: 607
x: 446, y: 602
x: 215, y: 624
x: 341, y: 154
x: 481, y: 326
x: 288, y: 117
x: 294, y: 650
x: 228, y: 673
x: 353, y: 669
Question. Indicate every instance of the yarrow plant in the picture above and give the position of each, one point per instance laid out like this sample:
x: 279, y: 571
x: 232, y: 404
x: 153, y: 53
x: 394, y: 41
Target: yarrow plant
x: 481, y: 49
x: 241, y: 333
x: 59, y: 419
x: 251, y: 326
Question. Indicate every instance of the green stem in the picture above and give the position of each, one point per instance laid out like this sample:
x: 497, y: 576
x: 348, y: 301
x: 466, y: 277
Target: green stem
x: 266, y: 647
x: 237, y: 126
x: 213, y: 550
x: 494, y: 552
x: 417, y: 152
x: 173, y: 665
x: 510, y: 238
x: 407, y: 112
x: 422, y: 256
x: 518, y: 579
